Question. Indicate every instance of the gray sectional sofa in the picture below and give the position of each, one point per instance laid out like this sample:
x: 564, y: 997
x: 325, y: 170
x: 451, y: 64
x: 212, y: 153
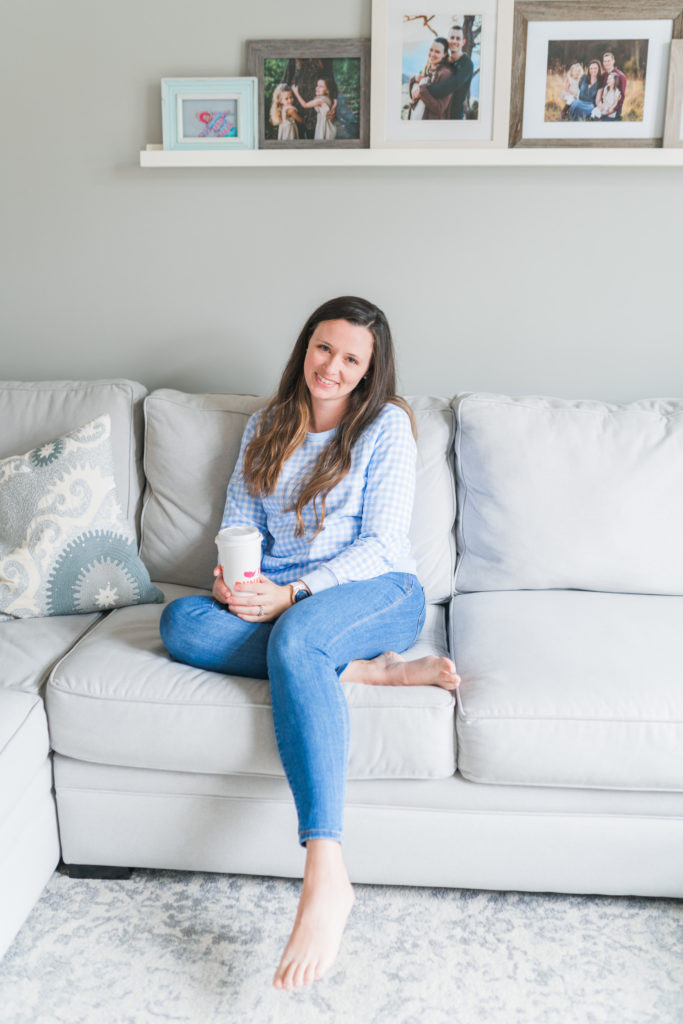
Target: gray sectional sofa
x: 555, y: 578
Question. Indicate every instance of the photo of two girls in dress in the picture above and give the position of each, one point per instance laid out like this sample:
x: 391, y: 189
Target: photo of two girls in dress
x: 312, y: 98
x: 440, y: 64
x: 596, y: 80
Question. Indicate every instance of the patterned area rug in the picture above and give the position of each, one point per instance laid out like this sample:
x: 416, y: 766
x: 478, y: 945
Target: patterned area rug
x: 200, y: 948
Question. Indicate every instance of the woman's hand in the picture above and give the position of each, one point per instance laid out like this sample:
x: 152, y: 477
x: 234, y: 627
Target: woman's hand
x: 248, y: 600
x: 221, y: 591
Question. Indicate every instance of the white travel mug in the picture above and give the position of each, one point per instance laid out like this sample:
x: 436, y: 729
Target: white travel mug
x: 239, y: 552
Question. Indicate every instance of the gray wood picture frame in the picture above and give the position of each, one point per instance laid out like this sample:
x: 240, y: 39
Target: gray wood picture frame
x: 259, y: 50
x: 673, y: 133
x: 526, y: 11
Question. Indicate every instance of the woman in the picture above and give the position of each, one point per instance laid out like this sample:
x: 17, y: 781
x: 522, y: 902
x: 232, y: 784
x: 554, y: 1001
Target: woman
x: 326, y: 472
x: 437, y: 69
x: 590, y: 88
x: 325, y: 130
x: 304, y: 72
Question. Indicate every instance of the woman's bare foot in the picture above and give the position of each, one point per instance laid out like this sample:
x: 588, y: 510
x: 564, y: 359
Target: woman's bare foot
x: 325, y: 903
x: 390, y: 669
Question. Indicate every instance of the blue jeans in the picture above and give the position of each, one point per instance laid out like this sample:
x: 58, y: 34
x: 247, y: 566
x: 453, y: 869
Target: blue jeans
x: 580, y: 110
x: 303, y: 652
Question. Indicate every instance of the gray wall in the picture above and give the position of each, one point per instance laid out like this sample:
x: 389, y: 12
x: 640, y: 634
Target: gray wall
x: 556, y: 281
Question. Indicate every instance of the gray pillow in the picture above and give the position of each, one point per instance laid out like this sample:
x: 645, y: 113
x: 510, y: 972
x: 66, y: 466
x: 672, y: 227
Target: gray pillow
x: 65, y: 544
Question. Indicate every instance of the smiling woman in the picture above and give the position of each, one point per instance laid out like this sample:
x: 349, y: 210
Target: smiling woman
x: 326, y: 474
x: 337, y: 359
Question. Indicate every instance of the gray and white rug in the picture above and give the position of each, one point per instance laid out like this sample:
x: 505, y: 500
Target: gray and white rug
x: 201, y: 948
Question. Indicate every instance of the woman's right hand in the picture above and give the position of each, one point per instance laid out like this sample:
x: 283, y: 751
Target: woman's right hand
x: 220, y: 591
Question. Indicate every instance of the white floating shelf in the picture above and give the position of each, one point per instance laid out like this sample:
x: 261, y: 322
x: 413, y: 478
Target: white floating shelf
x: 621, y: 156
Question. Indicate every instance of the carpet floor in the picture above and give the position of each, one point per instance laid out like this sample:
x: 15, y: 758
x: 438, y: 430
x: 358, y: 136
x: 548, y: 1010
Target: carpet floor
x: 202, y: 948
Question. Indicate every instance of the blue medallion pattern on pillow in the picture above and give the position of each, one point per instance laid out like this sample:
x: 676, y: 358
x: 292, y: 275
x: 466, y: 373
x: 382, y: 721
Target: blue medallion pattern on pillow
x: 65, y: 545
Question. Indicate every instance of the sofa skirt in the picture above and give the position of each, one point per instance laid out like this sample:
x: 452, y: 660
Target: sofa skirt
x: 446, y: 832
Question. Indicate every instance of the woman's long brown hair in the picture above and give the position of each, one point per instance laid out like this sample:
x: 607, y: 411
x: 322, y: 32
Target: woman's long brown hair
x: 286, y: 419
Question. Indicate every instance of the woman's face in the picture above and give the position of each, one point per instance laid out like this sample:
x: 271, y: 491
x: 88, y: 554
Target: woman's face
x: 321, y: 87
x: 436, y: 53
x: 337, y: 358
x: 593, y: 70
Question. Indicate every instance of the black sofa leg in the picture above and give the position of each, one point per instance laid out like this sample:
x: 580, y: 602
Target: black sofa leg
x: 96, y: 871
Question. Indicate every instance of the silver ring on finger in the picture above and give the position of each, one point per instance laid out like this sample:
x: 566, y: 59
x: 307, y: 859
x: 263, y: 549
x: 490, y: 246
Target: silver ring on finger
x: 260, y: 611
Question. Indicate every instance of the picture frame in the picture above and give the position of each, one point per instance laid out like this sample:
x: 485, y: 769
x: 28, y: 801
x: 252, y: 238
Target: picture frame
x: 408, y: 54
x: 673, y: 120
x: 327, y: 102
x: 550, y: 40
x: 208, y: 113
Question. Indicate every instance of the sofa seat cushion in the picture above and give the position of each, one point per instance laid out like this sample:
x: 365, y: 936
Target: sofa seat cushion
x: 29, y: 648
x: 119, y: 699
x: 570, y: 688
x: 24, y: 745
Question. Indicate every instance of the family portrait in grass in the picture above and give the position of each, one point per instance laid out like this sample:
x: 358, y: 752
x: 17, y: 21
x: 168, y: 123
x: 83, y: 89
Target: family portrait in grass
x: 596, y: 80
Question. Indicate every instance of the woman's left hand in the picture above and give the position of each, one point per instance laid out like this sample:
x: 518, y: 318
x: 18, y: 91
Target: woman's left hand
x: 260, y: 601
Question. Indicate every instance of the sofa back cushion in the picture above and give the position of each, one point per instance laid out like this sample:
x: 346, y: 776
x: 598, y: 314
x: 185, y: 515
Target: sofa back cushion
x: 33, y: 412
x: 191, y: 446
x: 559, y: 494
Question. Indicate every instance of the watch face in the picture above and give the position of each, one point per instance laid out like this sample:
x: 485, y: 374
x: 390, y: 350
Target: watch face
x: 300, y: 594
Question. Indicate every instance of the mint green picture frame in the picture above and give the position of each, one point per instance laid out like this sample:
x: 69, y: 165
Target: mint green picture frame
x: 209, y: 113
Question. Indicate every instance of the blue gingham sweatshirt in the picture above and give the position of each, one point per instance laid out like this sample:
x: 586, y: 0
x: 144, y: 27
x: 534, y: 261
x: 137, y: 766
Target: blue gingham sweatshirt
x: 367, y: 514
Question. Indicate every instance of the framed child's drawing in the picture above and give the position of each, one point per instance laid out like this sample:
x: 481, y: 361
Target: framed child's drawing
x: 312, y: 93
x: 208, y: 113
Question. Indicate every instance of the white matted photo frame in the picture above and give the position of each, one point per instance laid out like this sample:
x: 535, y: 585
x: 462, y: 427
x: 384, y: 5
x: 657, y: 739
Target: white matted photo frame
x: 433, y: 73
x: 591, y: 75
x: 312, y: 93
x: 673, y: 122
x: 208, y: 113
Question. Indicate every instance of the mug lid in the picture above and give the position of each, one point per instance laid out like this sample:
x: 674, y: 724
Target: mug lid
x: 237, y: 534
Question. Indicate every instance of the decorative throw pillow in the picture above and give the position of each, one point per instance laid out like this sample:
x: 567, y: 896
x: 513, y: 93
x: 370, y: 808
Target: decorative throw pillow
x: 65, y: 545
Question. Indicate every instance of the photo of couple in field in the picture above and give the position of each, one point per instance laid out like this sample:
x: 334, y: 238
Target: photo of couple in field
x: 596, y: 80
x: 440, y: 65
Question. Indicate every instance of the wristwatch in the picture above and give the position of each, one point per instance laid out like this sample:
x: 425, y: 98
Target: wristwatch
x: 299, y: 591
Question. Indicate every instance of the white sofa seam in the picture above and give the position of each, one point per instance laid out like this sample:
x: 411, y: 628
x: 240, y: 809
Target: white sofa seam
x: 127, y: 793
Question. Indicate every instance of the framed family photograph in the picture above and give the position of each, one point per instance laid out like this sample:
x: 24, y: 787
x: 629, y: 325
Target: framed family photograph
x: 673, y: 124
x: 591, y: 75
x: 208, y: 113
x: 312, y: 93
x: 433, y: 73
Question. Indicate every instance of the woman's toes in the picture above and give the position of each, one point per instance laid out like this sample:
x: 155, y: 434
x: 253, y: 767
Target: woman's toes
x: 289, y: 977
x: 282, y: 975
x: 300, y: 976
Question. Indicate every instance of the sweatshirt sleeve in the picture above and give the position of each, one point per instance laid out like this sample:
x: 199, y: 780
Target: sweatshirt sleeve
x: 387, y: 509
x: 242, y: 508
x: 436, y: 107
x: 462, y: 73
